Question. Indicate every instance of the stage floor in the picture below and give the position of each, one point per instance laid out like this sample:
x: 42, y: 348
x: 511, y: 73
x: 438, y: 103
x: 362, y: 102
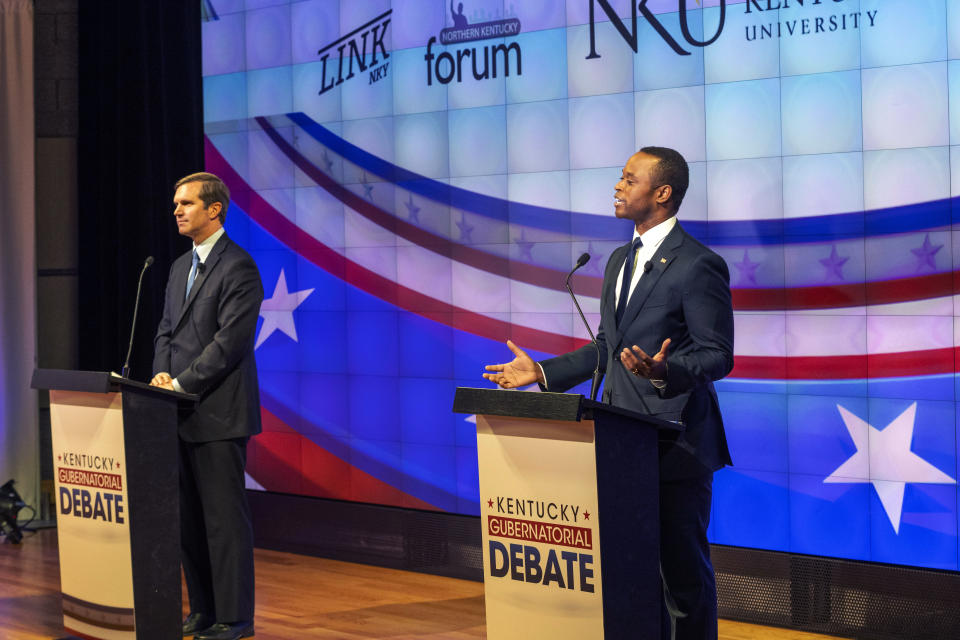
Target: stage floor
x: 298, y: 598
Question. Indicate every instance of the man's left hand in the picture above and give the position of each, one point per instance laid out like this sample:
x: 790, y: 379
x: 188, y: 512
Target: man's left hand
x: 640, y: 364
x: 162, y: 380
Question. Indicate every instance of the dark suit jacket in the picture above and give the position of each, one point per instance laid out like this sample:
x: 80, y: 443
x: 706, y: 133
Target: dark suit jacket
x: 206, y: 342
x: 685, y: 297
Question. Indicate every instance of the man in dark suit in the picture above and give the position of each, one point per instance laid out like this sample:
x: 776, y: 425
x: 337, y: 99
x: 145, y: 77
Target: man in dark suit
x: 665, y: 294
x: 204, y: 345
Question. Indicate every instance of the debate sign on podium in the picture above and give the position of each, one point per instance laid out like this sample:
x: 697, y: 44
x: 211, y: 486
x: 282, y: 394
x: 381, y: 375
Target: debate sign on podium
x: 115, y: 455
x: 569, y: 515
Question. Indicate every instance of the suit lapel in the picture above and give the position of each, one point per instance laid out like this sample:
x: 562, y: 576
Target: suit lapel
x: 661, y: 261
x: 178, y: 284
x: 608, y: 297
x: 202, y: 276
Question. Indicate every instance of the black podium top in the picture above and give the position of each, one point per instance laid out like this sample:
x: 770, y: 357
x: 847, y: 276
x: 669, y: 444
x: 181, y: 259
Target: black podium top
x: 96, y: 382
x: 571, y: 407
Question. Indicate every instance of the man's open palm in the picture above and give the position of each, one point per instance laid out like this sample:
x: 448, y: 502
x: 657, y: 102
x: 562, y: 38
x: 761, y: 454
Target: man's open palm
x: 522, y: 371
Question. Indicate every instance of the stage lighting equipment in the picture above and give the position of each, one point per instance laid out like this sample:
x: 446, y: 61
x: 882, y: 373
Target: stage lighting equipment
x: 10, y: 505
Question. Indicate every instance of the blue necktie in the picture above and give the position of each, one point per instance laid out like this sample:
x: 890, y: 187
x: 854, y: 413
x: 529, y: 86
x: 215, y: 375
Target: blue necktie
x: 193, y: 273
x: 628, y: 268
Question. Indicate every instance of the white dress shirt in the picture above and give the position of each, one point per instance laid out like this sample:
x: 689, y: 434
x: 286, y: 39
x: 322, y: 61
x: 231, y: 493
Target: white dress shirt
x: 652, y: 239
x: 204, y: 248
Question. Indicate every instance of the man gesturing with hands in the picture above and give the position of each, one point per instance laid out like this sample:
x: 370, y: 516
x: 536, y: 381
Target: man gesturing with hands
x: 667, y: 295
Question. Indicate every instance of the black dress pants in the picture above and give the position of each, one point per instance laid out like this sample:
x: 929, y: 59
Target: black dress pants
x: 685, y: 555
x: 216, y: 535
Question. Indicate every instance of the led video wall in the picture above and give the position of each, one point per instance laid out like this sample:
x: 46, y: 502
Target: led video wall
x: 415, y: 178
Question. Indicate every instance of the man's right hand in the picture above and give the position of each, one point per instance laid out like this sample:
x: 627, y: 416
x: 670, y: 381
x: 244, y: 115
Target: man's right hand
x: 522, y: 371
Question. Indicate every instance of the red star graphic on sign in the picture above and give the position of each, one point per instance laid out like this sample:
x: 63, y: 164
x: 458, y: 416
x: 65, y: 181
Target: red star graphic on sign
x: 118, y: 464
x: 490, y: 503
x: 59, y: 458
x: 586, y: 515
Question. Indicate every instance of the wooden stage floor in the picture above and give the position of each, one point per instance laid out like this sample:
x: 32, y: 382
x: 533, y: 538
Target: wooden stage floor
x: 298, y: 598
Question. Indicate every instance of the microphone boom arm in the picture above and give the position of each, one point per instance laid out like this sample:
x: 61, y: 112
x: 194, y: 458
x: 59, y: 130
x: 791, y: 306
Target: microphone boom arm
x: 595, y: 384
x: 125, y: 371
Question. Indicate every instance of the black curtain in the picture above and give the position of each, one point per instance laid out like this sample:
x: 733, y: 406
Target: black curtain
x: 141, y: 128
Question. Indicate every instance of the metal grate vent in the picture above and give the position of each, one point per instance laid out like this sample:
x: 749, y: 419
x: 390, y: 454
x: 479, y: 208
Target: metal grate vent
x: 861, y: 600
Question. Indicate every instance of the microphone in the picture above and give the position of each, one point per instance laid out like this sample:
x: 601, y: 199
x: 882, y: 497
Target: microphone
x: 595, y: 385
x: 125, y: 371
x: 647, y: 266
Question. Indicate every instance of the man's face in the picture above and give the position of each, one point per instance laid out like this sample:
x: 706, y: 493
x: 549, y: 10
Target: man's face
x: 636, y: 197
x: 194, y: 219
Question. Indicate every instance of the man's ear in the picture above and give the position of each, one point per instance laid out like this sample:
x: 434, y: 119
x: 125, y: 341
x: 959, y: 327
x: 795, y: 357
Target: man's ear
x: 664, y: 193
x: 213, y: 211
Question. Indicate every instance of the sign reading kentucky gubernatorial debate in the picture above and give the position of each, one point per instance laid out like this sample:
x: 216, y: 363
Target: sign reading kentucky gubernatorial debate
x: 90, y: 481
x: 540, y: 528
x: 415, y: 178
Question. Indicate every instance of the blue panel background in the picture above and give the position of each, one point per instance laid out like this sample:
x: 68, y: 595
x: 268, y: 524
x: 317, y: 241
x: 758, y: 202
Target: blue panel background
x: 802, y: 140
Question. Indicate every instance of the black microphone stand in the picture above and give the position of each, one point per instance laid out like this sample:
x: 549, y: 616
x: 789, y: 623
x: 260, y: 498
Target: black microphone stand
x: 595, y: 385
x: 125, y: 371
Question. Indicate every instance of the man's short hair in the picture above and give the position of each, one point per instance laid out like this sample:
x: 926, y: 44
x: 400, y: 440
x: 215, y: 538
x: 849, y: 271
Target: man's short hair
x: 671, y: 169
x: 212, y: 189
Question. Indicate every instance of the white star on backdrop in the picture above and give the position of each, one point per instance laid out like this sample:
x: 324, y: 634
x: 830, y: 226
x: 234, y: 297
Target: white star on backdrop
x: 250, y: 483
x: 277, y: 312
x: 884, y: 459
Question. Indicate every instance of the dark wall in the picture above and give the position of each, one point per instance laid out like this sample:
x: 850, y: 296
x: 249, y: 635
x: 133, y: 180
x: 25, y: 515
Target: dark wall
x: 56, y: 74
x: 141, y: 128
x: 56, y: 78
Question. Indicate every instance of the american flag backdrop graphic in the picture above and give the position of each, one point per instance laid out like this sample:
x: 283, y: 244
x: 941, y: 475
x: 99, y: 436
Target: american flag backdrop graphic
x: 404, y: 229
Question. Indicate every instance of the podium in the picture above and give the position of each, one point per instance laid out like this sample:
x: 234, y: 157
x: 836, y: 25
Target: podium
x: 116, y: 474
x: 569, y: 508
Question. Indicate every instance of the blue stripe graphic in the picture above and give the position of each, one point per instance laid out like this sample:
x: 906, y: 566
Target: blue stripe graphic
x: 826, y: 228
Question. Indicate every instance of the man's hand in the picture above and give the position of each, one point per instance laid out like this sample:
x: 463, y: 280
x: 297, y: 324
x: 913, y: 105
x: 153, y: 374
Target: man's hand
x: 521, y: 372
x: 640, y: 364
x: 162, y: 380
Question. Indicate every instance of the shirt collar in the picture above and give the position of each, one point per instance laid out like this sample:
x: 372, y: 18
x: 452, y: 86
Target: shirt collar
x: 654, y: 236
x: 204, y: 248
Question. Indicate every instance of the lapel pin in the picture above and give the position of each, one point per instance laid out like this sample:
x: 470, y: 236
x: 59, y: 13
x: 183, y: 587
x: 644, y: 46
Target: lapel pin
x: 663, y: 260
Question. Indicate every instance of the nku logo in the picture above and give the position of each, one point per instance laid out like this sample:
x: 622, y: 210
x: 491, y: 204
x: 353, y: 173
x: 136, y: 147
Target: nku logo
x: 791, y: 24
x: 631, y: 36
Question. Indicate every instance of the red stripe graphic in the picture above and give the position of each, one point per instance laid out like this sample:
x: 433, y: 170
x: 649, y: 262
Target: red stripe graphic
x: 744, y: 299
x: 78, y: 634
x: 281, y: 459
x: 912, y: 363
x: 873, y: 365
x: 858, y: 294
x: 465, y: 254
x: 373, y: 283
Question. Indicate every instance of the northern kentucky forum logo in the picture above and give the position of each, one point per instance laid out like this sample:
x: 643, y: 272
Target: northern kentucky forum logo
x: 840, y: 19
x: 460, y: 62
x: 352, y: 51
x: 540, y: 542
